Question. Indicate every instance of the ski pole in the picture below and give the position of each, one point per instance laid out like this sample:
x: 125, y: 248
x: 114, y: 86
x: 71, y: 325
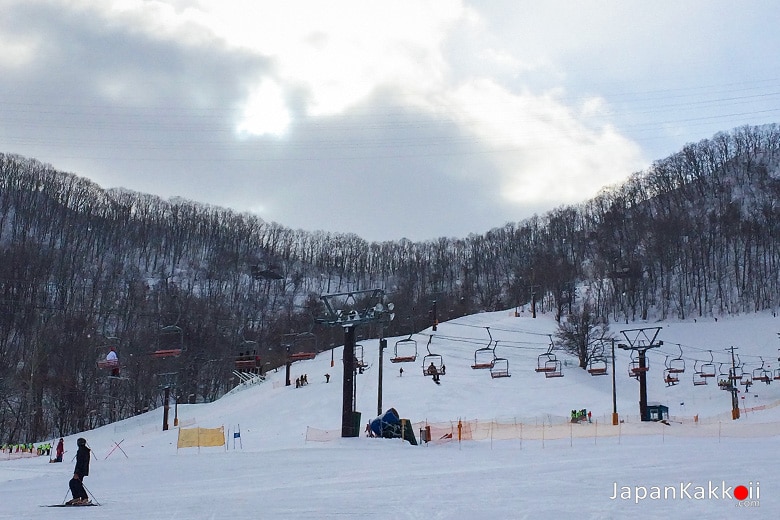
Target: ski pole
x: 90, y: 492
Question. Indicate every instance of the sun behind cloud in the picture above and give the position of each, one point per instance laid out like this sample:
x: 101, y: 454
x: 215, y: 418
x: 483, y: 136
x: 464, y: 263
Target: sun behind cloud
x: 265, y: 112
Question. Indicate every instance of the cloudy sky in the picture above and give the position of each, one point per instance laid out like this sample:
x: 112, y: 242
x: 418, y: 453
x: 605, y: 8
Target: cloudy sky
x: 414, y: 119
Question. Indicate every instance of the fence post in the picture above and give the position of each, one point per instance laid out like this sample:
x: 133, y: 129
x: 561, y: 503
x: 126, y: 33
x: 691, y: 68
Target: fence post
x: 571, y: 434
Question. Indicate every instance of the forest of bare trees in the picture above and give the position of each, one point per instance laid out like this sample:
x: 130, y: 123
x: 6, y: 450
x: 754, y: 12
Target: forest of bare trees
x: 83, y: 268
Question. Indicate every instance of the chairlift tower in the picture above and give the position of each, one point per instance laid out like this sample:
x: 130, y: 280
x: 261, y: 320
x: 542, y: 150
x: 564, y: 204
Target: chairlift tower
x: 733, y: 388
x: 640, y: 341
x: 349, y: 310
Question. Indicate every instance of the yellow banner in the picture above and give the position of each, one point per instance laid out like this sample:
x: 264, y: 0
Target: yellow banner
x: 212, y: 436
x: 205, y: 437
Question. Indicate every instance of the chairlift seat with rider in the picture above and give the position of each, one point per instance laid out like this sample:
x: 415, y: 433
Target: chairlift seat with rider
x: 432, y: 364
x: 671, y: 374
x: 762, y: 374
x: 108, y: 363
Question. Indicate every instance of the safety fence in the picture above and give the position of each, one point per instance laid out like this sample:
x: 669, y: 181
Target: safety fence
x: 318, y: 435
x: 475, y: 430
x: 13, y: 455
x: 558, y: 428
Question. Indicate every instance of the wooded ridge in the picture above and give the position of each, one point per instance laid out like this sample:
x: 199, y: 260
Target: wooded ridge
x: 83, y: 268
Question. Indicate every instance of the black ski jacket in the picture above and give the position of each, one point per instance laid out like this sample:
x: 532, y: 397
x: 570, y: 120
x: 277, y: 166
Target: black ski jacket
x: 82, y: 462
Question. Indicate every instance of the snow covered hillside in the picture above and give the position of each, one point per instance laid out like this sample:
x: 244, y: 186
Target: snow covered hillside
x: 574, y: 471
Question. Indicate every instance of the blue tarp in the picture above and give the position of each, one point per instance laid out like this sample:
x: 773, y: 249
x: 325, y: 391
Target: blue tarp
x: 388, y: 426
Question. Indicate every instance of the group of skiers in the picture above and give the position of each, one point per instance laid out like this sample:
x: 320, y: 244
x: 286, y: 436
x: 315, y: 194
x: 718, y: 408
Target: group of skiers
x: 580, y: 416
x: 302, y: 380
x: 19, y: 448
x: 40, y: 450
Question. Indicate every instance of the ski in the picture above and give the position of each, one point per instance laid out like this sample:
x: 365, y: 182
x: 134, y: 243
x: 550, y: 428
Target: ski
x: 71, y: 505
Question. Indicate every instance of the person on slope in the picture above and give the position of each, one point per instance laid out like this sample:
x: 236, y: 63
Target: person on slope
x: 59, y: 451
x: 81, y: 470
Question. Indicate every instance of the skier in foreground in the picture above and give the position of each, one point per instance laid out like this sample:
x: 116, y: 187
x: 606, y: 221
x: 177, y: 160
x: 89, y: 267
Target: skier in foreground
x: 80, y: 497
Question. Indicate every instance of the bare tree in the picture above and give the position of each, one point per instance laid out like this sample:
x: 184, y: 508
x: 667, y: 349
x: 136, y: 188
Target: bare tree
x: 582, y: 332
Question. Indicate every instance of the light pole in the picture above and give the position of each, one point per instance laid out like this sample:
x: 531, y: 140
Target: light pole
x: 382, y: 347
x: 615, y: 420
x: 435, y: 321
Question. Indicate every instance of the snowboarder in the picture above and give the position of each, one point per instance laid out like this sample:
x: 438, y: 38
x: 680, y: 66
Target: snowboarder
x: 327, y: 378
x: 81, y: 470
x: 433, y: 372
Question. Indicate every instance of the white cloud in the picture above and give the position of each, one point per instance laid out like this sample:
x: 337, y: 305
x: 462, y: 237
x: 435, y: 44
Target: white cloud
x: 17, y: 50
x: 265, y: 112
x: 339, y: 53
x: 545, y: 153
x: 509, y: 105
x: 336, y: 52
